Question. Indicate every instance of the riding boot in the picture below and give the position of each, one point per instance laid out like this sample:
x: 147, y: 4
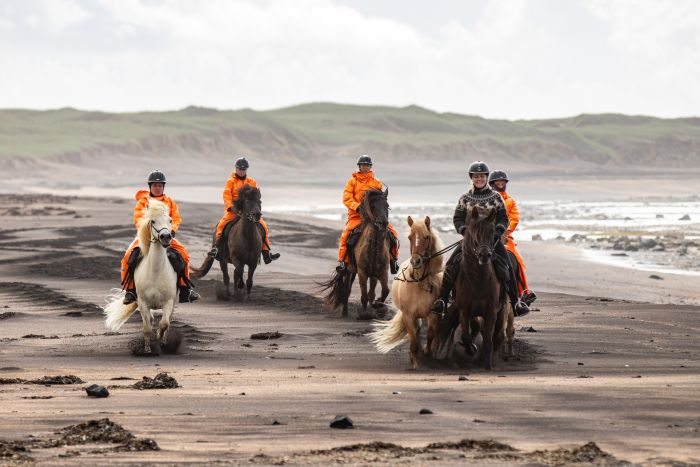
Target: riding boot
x: 519, y: 307
x: 269, y: 257
x: 528, y: 297
x: 129, y: 297
x: 341, y: 266
x: 394, y: 265
x: 448, y: 279
x: 187, y: 294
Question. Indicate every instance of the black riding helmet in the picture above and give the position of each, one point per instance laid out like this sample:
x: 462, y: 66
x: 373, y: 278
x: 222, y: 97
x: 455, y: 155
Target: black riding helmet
x: 497, y: 175
x: 478, y: 167
x: 364, y: 159
x: 242, y: 163
x: 156, y: 177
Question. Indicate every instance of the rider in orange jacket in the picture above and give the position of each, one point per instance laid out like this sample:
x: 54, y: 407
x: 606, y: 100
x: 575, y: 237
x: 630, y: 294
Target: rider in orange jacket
x: 239, y: 178
x: 156, y: 188
x: 354, y: 192
x: 498, y: 180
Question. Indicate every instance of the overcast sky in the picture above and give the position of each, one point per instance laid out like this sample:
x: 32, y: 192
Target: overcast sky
x: 496, y: 58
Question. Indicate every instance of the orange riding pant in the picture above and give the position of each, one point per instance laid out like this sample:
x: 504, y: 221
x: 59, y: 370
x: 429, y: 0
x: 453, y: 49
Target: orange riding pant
x: 174, y: 244
x: 353, y: 223
x: 229, y: 216
x: 522, y: 280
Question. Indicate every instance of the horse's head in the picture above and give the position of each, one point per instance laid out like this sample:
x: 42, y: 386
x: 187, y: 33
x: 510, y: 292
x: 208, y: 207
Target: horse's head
x: 421, y: 242
x: 374, y: 208
x: 249, y: 203
x: 160, y: 222
x: 480, y: 234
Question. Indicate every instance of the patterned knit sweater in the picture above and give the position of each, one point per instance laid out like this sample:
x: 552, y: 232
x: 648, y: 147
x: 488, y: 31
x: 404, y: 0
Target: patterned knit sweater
x: 484, y: 198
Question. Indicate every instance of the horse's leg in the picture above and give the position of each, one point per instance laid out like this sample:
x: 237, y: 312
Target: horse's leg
x: 412, y: 329
x: 363, y: 289
x: 249, y: 281
x: 430, y: 334
x: 384, y: 280
x: 475, y: 325
x: 467, y: 339
x: 510, y: 329
x: 146, y: 318
x: 238, y: 282
x: 372, y: 287
x: 499, y: 330
x: 348, y: 280
x: 164, y: 325
x: 487, y: 331
x: 224, y: 270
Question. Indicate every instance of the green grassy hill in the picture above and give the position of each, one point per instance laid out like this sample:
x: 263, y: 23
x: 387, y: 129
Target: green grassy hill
x: 313, y: 131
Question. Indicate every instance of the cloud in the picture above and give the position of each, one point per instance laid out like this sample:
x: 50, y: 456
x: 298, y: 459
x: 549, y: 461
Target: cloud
x: 511, y: 59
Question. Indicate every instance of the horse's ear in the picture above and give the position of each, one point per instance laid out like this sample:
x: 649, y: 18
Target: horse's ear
x: 492, y: 216
x: 386, y: 192
x: 475, y: 213
x: 410, y: 221
x: 427, y: 222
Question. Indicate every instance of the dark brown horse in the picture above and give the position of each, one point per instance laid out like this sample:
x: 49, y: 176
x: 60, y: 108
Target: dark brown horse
x: 244, y: 242
x: 372, y: 256
x: 479, y: 295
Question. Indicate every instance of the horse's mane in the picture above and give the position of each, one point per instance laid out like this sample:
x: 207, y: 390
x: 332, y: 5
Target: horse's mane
x: 366, y: 204
x: 153, y: 210
x: 244, y: 193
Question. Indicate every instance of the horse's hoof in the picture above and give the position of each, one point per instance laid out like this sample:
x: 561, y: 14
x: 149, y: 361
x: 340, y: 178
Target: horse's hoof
x: 377, y: 304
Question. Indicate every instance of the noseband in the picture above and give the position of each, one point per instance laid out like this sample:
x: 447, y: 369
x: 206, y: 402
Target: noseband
x: 156, y: 238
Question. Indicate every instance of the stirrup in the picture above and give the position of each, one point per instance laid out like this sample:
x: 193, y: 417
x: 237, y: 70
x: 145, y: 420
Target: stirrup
x: 129, y: 297
x: 528, y: 298
x: 213, y: 252
x: 439, y: 308
x: 341, y: 266
x: 520, y: 309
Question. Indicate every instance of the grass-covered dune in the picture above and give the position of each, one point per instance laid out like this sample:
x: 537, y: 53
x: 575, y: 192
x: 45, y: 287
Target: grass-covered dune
x: 321, y: 130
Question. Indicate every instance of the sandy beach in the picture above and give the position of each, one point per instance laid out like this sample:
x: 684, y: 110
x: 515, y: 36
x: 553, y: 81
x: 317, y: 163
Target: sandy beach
x: 613, y: 361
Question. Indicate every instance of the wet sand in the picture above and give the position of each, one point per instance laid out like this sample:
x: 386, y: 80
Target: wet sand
x: 620, y: 373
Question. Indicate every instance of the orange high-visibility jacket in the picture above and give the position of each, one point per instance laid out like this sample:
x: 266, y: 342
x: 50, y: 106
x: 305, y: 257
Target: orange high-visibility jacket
x: 355, y: 190
x: 512, y: 211
x: 233, y: 184
x: 142, y: 197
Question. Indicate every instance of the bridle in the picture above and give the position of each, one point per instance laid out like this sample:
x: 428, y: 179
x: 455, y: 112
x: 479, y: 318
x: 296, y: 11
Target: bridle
x: 156, y: 238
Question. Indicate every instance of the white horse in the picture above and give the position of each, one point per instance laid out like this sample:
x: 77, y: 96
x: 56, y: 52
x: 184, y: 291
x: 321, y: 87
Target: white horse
x: 154, y: 278
x: 415, y: 288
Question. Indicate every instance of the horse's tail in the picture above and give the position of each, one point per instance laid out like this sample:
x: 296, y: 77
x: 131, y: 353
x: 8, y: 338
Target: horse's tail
x: 117, y: 313
x: 336, y: 289
x: 198, y: 273
x: 387, y: 335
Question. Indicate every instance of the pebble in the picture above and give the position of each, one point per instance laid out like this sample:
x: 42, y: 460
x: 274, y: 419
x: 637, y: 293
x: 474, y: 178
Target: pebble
x: 341, y: 422
x: 95, y: 390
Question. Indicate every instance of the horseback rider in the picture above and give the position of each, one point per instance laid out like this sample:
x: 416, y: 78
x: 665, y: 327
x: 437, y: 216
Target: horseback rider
x: 498, y: 180
x: 354, y: 192
x: 239, y: 178
x: 481, y: 195
x: 156, y: 188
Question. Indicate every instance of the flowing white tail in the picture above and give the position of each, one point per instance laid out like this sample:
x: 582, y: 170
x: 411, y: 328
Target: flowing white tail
x: 117, y: 313
x: 387, y: 335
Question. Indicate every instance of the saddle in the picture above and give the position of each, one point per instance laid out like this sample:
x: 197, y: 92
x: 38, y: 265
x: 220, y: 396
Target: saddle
x: 174, y: 257
x: 223, y: 244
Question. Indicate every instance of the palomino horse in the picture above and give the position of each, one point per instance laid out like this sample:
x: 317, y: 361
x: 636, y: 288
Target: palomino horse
x: 479, y: 294
x: 414, y: 290
x: 371, y: 253
x: 154, y: 278
x: 244, y: 243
